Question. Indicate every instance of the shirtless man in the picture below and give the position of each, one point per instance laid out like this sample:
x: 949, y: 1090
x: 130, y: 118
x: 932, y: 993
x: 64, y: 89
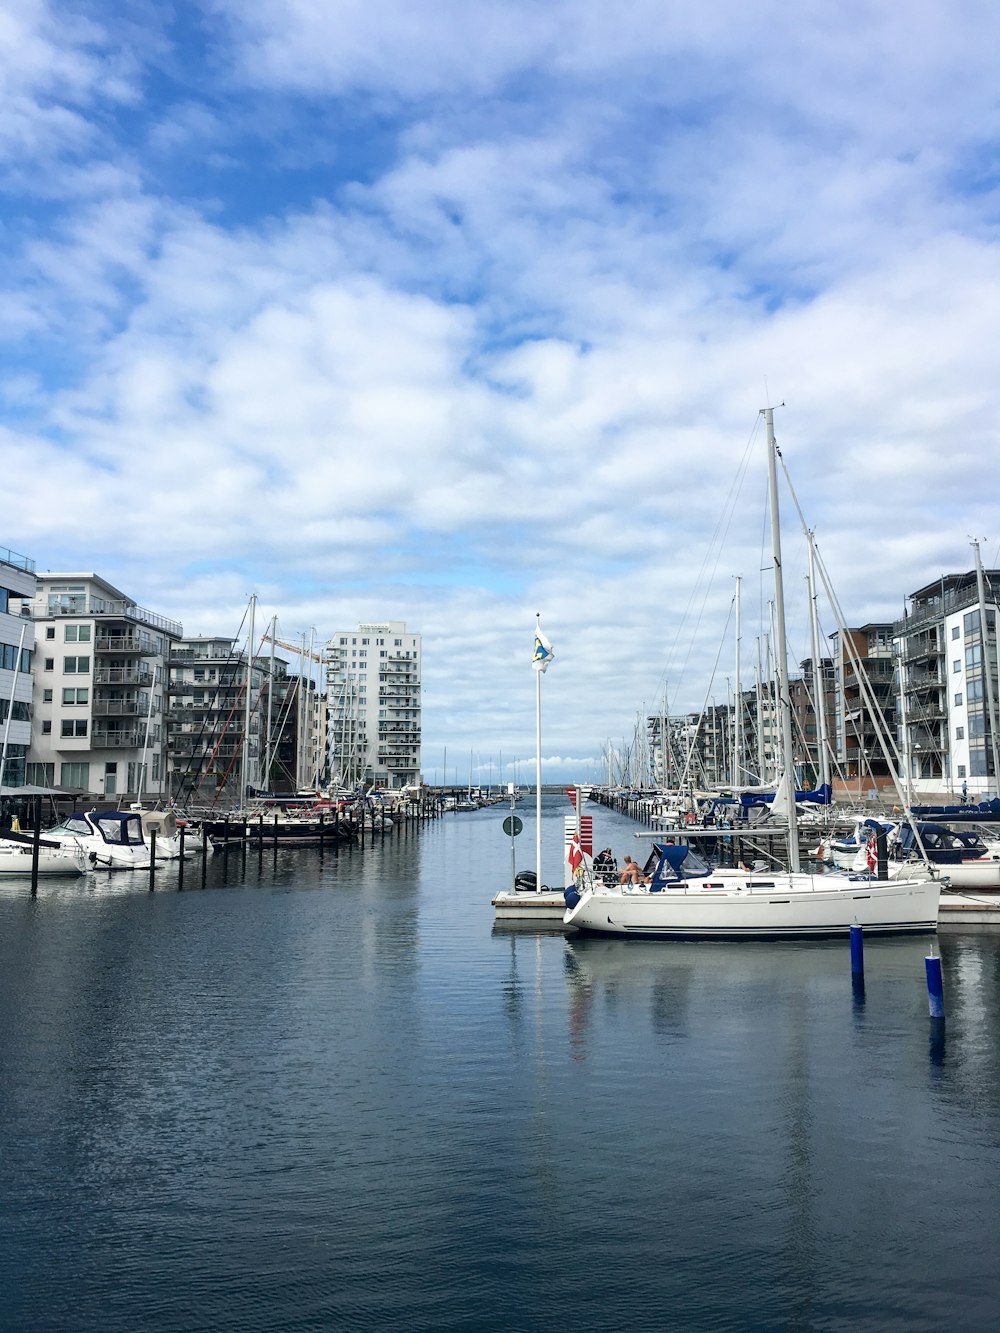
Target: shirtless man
x: 631, y: 874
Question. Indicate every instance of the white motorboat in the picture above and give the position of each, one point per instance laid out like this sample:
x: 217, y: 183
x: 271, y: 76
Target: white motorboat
x: 111, y: 839
x: 685, y: 898
x: 168, y: 827
x: 16, y: 851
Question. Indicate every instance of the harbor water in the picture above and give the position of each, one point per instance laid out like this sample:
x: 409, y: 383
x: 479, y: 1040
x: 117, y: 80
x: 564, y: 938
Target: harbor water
x: 329, y: 1092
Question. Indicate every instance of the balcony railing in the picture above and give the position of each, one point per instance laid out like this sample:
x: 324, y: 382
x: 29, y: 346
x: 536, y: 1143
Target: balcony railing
x: 119, y: 708
x: 105, y: 675
x: 9, y: 557
x: 109, y: 740
x: 135, y: 645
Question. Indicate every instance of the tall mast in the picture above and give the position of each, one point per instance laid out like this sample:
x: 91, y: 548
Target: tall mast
x: 245, y: 765
x: 987, y: 666
x: 761, y: 775
x: 819, y: 685
x: 784, y: 697
x: 738, y: 710
x: 268, y: 743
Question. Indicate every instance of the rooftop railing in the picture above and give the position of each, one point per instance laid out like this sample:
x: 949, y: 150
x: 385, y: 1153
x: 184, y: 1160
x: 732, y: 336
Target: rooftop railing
x: 9, y: 557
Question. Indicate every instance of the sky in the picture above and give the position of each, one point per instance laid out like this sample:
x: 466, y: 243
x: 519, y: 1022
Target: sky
x: 459, y: 312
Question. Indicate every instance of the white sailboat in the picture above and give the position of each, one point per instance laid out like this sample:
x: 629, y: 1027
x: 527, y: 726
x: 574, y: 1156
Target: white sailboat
x: 683, y: 897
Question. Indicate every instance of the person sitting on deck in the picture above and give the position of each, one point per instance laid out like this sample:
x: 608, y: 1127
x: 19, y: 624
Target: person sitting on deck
x: 631, y: 874
x: 605, y: 866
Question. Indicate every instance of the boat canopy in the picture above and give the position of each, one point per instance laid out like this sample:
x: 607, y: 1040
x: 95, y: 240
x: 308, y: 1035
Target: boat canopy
x: 943, y: 845
x: 671, y: 862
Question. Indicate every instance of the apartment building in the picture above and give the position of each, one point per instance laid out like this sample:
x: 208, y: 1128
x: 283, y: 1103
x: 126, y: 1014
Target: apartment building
x: 374, y: 704
x: 947, y: 673
x: 17, y: 642
x: 208, y: 719
x: 100, y: 675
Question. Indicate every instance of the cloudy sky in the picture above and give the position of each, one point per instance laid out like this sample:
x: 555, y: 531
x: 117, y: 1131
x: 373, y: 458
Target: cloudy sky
x: 459, y: 311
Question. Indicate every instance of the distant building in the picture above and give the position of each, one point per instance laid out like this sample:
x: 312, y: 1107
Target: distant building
x: 207, y: 720
x: 98, y: 691
x: 865, y: 705
x: 374, y: 705
x: 806, y: 691
x: 945, y: 730
x: 17, y: 642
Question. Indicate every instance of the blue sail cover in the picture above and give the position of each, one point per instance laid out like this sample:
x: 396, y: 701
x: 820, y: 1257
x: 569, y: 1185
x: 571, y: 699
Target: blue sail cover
x: 988, y: 810
x: 823, y: 795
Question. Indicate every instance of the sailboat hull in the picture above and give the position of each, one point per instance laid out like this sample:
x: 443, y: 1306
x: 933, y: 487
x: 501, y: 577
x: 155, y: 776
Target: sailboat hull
x: 771, y: 907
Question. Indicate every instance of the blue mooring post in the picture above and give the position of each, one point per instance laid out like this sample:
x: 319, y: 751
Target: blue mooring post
x: 935, y: 986
x: 857, y: 952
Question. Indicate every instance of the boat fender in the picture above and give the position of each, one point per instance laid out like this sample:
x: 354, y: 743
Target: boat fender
x: 572, y: 898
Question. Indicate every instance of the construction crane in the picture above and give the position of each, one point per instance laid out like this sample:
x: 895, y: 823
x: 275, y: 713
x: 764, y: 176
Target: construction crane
x: 300, y: 651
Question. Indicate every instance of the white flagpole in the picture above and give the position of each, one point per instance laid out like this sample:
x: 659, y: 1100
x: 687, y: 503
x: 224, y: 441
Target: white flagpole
x: 538, y: 776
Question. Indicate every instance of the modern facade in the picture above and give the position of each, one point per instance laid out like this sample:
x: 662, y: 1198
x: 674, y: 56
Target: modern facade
x: 947, y: 673
x: 207, y: 720
x: 864, y: 705
x: 374, y: 705
x: 100, y: 677
x: 17, y: 642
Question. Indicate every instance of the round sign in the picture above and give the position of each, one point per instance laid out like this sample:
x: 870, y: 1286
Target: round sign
x: 512, y: 825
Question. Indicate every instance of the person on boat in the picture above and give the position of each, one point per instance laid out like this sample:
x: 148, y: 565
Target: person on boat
x: 605, y: 866
x: 631, y: 874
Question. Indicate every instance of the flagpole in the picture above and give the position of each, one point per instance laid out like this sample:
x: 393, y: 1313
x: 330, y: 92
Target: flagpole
x: 538, y: 771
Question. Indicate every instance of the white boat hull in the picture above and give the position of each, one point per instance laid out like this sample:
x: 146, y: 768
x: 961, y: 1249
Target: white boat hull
x: 761, y: 907
x: 15, y: 861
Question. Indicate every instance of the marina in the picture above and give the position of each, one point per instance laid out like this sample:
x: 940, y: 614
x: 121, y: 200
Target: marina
x: 328, y: 1090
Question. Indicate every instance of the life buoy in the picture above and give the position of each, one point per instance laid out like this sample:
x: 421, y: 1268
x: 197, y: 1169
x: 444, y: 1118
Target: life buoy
x: 689, y: 817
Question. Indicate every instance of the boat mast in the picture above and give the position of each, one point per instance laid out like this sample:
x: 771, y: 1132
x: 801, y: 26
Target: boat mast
x: 819, y: 685
x: 987, y: 667
x: 738, y: 710
x: 784, y: 696
x: 245, y: 765
x: 269, y: 740
x: 10, y: 701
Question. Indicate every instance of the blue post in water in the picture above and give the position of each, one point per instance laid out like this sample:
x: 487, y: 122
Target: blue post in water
x: 935, y: 986
x: 857, y: 952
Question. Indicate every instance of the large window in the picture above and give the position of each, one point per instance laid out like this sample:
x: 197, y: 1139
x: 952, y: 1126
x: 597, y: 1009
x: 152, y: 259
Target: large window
x: 74, y: 696
x: 40, y: 775
x: 74, y: 775
x: 77, y: 634
x: 76, y: 665
x: 73, y: 726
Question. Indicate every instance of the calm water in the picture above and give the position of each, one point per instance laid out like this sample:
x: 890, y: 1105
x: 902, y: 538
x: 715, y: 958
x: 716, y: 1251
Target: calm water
x: 333, y: 1095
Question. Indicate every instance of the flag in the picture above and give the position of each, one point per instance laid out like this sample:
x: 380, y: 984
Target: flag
x: 575, y: 855
x: 543, y: 651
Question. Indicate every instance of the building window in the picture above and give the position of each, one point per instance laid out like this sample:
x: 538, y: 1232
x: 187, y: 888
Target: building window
x: 960, y: 733
x: 46, y: 696
x: 956, y: 665
x: 73, y: 696
x: 76, y: 665
x: 40, y: 775
x: 46, y: 728
x: 50, y: 631
x: 77, y: 634
x: 958, y: 700
x: 961, y: 771
x: 75, y: 775
x: 49, y: 663
x: 74, y: 726
x: 955, y: 631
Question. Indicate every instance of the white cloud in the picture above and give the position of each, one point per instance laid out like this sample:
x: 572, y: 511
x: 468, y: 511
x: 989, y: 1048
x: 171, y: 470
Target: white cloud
x: 514, y: 367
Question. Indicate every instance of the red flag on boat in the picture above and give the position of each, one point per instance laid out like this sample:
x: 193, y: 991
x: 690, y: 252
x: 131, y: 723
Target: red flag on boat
x: 571, y: 793
x: 575, y: 855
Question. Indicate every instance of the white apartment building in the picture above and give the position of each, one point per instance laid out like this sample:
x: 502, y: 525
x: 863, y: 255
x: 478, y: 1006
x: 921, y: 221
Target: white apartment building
x: 100, y: 677
x: 946, y: 731
x: 373, y: 701
x: 17, y: 641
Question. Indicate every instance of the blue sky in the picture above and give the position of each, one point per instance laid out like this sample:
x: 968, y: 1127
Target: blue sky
x: 456, y: 313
